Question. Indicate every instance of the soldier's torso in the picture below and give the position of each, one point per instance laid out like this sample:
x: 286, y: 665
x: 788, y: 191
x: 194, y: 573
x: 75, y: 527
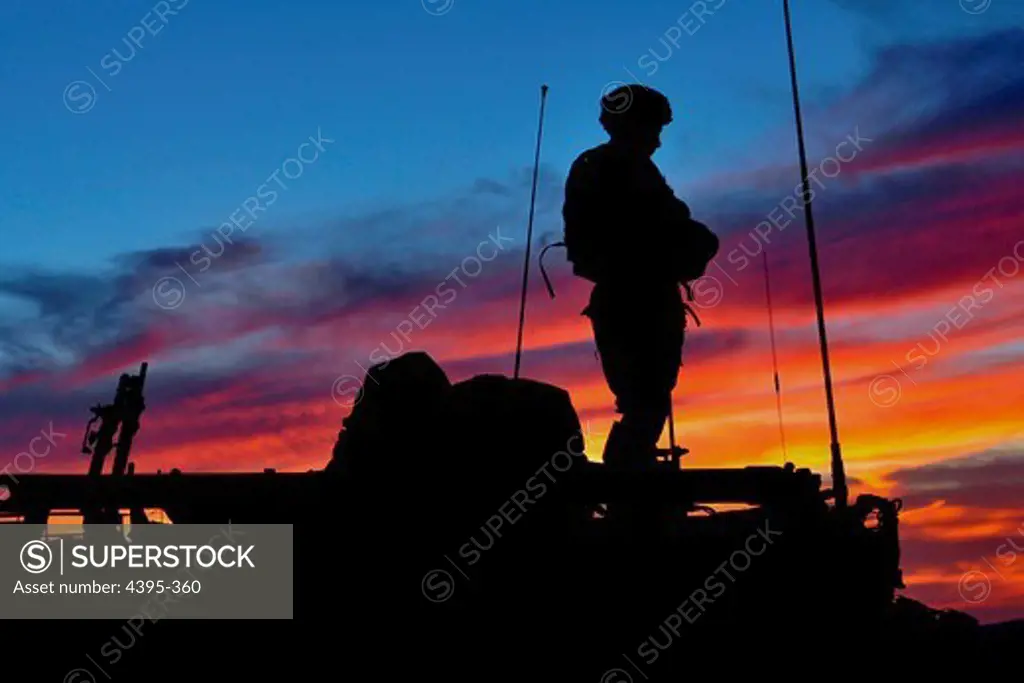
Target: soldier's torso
x: 617, y: 200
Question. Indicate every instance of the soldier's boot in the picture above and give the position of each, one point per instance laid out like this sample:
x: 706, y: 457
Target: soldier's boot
x: 625, y: 453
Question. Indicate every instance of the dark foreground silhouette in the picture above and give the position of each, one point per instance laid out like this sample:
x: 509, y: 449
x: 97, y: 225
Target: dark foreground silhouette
x: 458, y: 532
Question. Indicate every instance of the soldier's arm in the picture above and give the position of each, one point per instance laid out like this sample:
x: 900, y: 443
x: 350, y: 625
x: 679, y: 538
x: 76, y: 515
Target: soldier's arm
x: 664, y: 212
x: 673, y: 210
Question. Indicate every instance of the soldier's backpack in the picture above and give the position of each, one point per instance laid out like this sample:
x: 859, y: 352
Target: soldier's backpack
x: 396, y: 405
x: 497, y: 436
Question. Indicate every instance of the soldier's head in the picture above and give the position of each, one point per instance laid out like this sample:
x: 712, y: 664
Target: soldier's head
x: 634, y: 115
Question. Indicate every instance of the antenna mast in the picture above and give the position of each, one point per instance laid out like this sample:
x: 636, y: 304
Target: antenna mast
x: 529, y: 233
x: 838, y: 473
x: 775, y: 358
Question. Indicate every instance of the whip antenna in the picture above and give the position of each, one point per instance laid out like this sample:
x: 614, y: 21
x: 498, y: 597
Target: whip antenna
x: 775, y: 358
x: 529, y: 233
x: 838, y: 473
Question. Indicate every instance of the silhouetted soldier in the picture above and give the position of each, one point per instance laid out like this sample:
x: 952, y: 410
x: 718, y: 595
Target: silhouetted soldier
x: 627, y: 232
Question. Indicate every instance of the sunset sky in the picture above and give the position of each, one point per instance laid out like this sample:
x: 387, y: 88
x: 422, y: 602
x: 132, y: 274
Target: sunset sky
x: 415, y: 122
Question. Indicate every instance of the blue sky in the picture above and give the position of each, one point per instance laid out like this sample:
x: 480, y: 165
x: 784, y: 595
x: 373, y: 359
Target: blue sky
x: 420, y: 104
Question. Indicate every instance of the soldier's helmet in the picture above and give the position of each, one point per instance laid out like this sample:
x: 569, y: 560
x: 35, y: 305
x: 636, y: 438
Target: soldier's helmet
x: 634, y: 107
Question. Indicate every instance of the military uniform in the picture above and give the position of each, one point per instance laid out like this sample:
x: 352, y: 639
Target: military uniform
x: 620, y: 215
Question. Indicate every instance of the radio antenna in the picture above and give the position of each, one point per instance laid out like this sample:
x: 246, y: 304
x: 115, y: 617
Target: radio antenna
x: 775, y: 358
x: 838, y: 472
x: 529, y: 234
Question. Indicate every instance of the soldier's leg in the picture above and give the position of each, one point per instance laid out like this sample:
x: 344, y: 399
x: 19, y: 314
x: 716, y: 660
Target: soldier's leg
x: 621, y: 363
x: 643, y: 403
x: 608, y: 344
x: 655, y: 370
x: 640, y: 352
x: 646, y: 421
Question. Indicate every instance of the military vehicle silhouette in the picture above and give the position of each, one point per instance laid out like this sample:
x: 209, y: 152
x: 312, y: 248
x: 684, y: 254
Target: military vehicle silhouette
x: 471, y: 514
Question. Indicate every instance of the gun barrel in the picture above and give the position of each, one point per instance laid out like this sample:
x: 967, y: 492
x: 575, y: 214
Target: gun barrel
x: 284, y: 497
